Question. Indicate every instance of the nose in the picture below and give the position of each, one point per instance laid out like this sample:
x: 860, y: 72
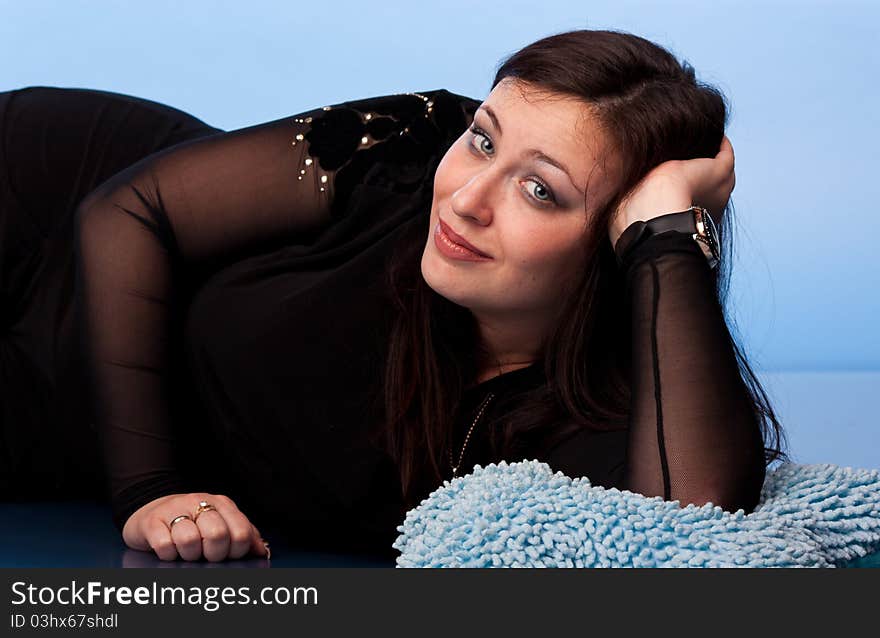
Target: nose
x: 473, y: 199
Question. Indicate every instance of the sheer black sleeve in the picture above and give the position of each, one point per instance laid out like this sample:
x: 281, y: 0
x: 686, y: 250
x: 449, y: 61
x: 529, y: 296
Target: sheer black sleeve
x: 187, y: 211
x: 194, y: 205
x: 692, y: 435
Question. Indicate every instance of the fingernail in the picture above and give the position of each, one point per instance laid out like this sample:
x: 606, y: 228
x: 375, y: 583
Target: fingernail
x: 268, y: 551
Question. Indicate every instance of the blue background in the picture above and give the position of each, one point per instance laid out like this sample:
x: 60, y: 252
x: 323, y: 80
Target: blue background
x: 801, y: 78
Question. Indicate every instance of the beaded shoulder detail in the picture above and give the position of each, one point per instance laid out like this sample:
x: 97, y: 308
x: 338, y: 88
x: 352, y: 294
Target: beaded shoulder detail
x: 384, y: 141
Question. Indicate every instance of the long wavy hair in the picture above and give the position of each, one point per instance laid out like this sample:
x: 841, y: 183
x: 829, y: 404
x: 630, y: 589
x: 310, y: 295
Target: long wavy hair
x: 654, y: 110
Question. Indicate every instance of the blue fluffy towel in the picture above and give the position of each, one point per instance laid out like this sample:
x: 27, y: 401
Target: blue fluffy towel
x: 523, y: 515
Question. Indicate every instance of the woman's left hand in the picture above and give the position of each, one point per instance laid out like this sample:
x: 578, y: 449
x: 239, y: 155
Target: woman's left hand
x: 676, y: 185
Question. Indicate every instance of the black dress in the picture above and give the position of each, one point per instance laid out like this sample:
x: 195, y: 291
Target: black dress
x: 218, y: 295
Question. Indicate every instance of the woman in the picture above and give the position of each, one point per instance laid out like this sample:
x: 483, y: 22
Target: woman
x: 282, y: 324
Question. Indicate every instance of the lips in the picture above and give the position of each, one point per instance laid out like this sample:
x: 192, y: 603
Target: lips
x: 458, y: 239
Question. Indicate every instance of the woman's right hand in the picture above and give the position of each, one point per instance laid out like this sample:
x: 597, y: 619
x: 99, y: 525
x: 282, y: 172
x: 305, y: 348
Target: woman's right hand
x: 216, y: 534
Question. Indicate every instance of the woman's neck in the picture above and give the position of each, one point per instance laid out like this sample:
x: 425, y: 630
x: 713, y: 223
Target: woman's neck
x: 497, y: 370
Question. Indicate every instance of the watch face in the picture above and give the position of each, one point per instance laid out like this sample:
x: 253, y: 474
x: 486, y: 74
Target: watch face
x: 711, y: 230
x: 709, y: 238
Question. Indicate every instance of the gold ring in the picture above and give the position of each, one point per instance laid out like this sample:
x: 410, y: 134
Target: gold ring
x: 204, y: 506
x: 177, y: 519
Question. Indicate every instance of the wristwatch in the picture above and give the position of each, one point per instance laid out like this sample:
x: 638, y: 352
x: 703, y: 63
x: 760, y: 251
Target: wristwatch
x: 695, y: 221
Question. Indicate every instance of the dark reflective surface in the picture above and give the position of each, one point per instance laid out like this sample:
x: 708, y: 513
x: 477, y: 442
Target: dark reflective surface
x: 81, y: 534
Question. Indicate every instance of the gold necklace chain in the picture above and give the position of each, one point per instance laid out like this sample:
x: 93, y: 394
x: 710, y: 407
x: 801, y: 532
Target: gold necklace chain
x: 468, y: 436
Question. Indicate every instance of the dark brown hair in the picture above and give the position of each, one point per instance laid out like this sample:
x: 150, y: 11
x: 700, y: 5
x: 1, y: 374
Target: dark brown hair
x: 652, y: 109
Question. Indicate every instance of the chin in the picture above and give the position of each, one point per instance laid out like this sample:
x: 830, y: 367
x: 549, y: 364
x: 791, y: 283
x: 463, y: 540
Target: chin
x: 428, y: 269
x: 431, y: 268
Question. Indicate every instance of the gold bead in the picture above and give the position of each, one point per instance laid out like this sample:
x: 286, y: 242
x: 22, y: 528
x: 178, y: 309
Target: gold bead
x: 369, y: 116
x: 299, y: 177
x: 326, y: 108
x: 299, y: 136
x: 303, y: 172
x: 364, y: 140
x: 308, y: 119
x: 308, y: 161
x: 322, y: 189
x: 323, y: 180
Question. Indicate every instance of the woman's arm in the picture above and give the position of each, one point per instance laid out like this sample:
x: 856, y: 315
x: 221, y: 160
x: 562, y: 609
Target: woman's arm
x: 185, y: 212
x: 193, y: 206
x: 693, y: 435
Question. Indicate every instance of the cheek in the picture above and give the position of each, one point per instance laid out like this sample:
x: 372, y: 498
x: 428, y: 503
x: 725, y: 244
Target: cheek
x: 448, y: 175
x: 539, y: 249
x: 545, y: 266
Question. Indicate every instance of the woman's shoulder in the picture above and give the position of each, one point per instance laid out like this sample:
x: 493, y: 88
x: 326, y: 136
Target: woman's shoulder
x: 389, y: 141
x: 420, y: 119
x: 440, y: 106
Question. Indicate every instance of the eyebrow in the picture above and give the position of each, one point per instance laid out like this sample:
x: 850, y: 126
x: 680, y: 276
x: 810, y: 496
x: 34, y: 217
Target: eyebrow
x: 532, y: 152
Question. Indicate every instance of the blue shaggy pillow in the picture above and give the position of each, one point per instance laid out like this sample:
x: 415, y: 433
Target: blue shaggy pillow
x: 523, y: 515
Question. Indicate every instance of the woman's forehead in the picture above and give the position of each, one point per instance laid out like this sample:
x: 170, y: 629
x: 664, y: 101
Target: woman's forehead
x: 518, y: 98
x: 560, y: 126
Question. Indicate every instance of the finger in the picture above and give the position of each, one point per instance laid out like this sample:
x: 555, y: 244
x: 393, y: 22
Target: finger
x: 134, y: 533
x: 239, y: 527
x: 158, y: 536
x: 215, y: 535
x: 725, y: 152
x: 719, y: 177
x: 187, y: 539
x: 259, y: 545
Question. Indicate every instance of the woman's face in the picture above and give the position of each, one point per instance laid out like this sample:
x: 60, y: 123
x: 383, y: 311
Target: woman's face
x: 525, y: 213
